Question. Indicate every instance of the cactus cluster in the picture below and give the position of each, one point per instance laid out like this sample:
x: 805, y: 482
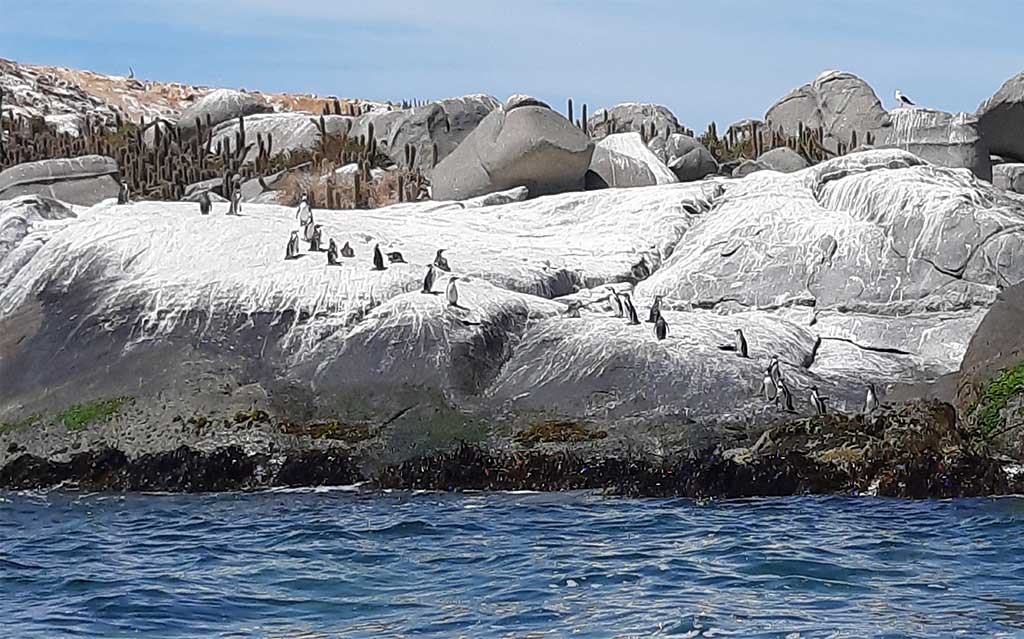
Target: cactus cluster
x: 754, y: 139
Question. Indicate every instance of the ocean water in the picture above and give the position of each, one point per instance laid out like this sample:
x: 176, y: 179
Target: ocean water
x: 347, y: 564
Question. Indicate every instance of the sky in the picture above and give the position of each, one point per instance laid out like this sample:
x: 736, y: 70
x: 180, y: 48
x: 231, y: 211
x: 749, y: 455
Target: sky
x: 720, y: 60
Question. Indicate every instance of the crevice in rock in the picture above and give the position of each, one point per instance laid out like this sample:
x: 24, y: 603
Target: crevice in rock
x: 873, y: 349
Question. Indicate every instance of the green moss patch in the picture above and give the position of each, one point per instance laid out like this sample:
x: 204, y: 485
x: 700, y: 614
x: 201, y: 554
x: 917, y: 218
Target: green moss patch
x: 987, y: 412
x: 558, y: 431
x: 81, y: 416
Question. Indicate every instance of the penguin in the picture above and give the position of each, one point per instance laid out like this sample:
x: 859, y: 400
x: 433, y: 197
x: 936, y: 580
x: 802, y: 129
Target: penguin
x: 236, y: 203
x: 640, y: 270
x: 122, y: 193
x: 346, y: 251
x: 332, y: 253
x: 870, y: 400
x: 205, y: 205
x: 769, y: 388
x: 660, y: 328
x: 308, y: 230
x: 787, y: 396
x: 441, y: 262
x: 428, y: 280
x: 304, y: 214
x: 655, y: 313
x: 616, y: 302
x: 817, y: 401
x: 741, y: 344
x: 292, y: 251
x: 630, y: 310
x: 453, y: 292
x: 378, y: 258
x: 318, y: 237
x: 396, y: 258
x: 774, y: 370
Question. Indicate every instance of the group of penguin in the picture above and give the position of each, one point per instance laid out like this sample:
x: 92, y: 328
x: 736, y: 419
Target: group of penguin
x: 313, y: 233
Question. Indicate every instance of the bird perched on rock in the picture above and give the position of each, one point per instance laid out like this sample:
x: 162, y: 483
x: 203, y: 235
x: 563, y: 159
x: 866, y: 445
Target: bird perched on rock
x: 903, y: 100
x: 817, y: 401
x: 739, y: 344
x: 378, y: 259
x: 236, y: 203
x: 440, y: 261
x: 655, y: 312
x: 616, y: 302
x: 627, y: 302
x: 769, y: 388
x: 122, y: 193
x: 292, y: 250
x: 332, y: 253
x: 205, y: 205
x: 317, y: 239
x: 660, y: 328
x: 870, y: 400
x: 346, y: 251
x: 395, y: 257
x: 774, y: 370
x: 453, y: 292
x: 428, y: 279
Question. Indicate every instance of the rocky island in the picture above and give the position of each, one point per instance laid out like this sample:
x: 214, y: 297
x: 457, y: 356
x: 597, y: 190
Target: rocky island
x: 145, y: 345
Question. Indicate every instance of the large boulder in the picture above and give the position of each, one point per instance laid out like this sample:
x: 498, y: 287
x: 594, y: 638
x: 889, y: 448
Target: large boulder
x: 945, y: 139
x: 383, y: 121
x: 630, y: 117
x: 21, y: 217
x: 290, y: 132
x: 746, y: 167
x: 623, y: 160
x: 529, y: 146
x: 1009, y: 176
x: 840, y: 103
x: 84, y: 180
x: 782, y: 159
x: 686, y: 157
x: 220, y: 106
x: 1001, y: 119
x: 442, y: 124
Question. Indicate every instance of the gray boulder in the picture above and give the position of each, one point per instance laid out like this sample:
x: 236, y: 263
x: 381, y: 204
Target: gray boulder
x: 747, y: 167
x: 528, y: 146
x: 383, y: 122
x: 783, y: 159
x: 444, y: 123
x: 840, y: 103
x: 1001, y: 119
x: 946, y: 139
x: 25, y: 223
x: 221, y: 105
x: 687, y: 158
x: 84, y: 180
x: 1009, y: 176
x: 630, y: 117
x: 290, y: 132
x: 521, y: 99
x: 622, y: 160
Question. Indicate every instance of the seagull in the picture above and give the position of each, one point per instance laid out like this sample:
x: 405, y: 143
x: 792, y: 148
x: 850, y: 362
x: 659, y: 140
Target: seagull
x: 903, y: 100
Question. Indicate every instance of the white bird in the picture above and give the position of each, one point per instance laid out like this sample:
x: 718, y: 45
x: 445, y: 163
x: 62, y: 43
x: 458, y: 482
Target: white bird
x: 452, y: 292
x: 903, y: 100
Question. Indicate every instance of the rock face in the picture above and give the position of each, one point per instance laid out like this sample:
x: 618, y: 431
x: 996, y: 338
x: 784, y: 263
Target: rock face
x: 291, y: 132
x: 782, y: 159
x: 221, y: 105
x: 629, y: 117
x: 871, y: 267
x: 1001, y: 119
x: 1009, y: 176
x: 383, y: 122
x: 747, y: 167
x: 20, y: 218
x: 85, y: 180
x: 527, y: 146
x: 839, y: 102
x: 622, y: 160
x: 444, y: 123
x: 946, y: 139
x: 687, y: 158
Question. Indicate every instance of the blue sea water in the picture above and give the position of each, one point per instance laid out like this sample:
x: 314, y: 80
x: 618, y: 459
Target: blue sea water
x: 348, y: 564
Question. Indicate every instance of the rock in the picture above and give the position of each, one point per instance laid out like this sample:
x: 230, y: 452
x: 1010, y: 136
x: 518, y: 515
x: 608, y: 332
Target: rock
x: 1009, y: 177
x: 726, y: 168
x: 782, y: 159
x: 221, y: 106
x: 84, y: 180
x: 687, y: 158
x: 444, y: 123
x: 840, y: 103
x: 946, y: 139
x: 23, y: 216
x: 383, y: 122
x: 747, y: 167
x: 1001, y: 119
x: 528, y: 146
x: 519, y: 100
x: 290, y: 132
x: 630, y: 117
x: 518, y: 194
x: 622, y: 160
x: 215, y: 186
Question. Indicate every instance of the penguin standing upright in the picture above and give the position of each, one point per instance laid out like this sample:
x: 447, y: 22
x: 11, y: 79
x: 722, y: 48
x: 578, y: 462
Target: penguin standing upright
x: 378, y: 259
x: 616, y: 302
x: 303, y: 213
x: 817, y: 401
x: 292, y: 251
x: 440, y: 261
x: 655, y: 313
x: 308, y: 230
x: 453, y: 292
x: 317, y: 239
x: 428, y: 279
x: 660, y: 328
x: 870, y: 400
x: 770, y: 390
x: 332, y: 253
x: 787, y: 396
x: 122, y: 193
x: 205, y: 205
x: 774, y: 370
x: 630, y: 309
x: 741, y: 344
x: 236, y: 203
x: 346, y: 251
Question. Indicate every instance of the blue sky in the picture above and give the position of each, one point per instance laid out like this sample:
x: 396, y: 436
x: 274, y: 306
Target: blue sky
x: 721, y: 60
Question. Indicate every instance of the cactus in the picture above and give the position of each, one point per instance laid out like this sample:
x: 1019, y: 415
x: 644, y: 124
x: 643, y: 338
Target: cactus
x: 584, y: 118
x: 436, y: 154
x: 569, y: 111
